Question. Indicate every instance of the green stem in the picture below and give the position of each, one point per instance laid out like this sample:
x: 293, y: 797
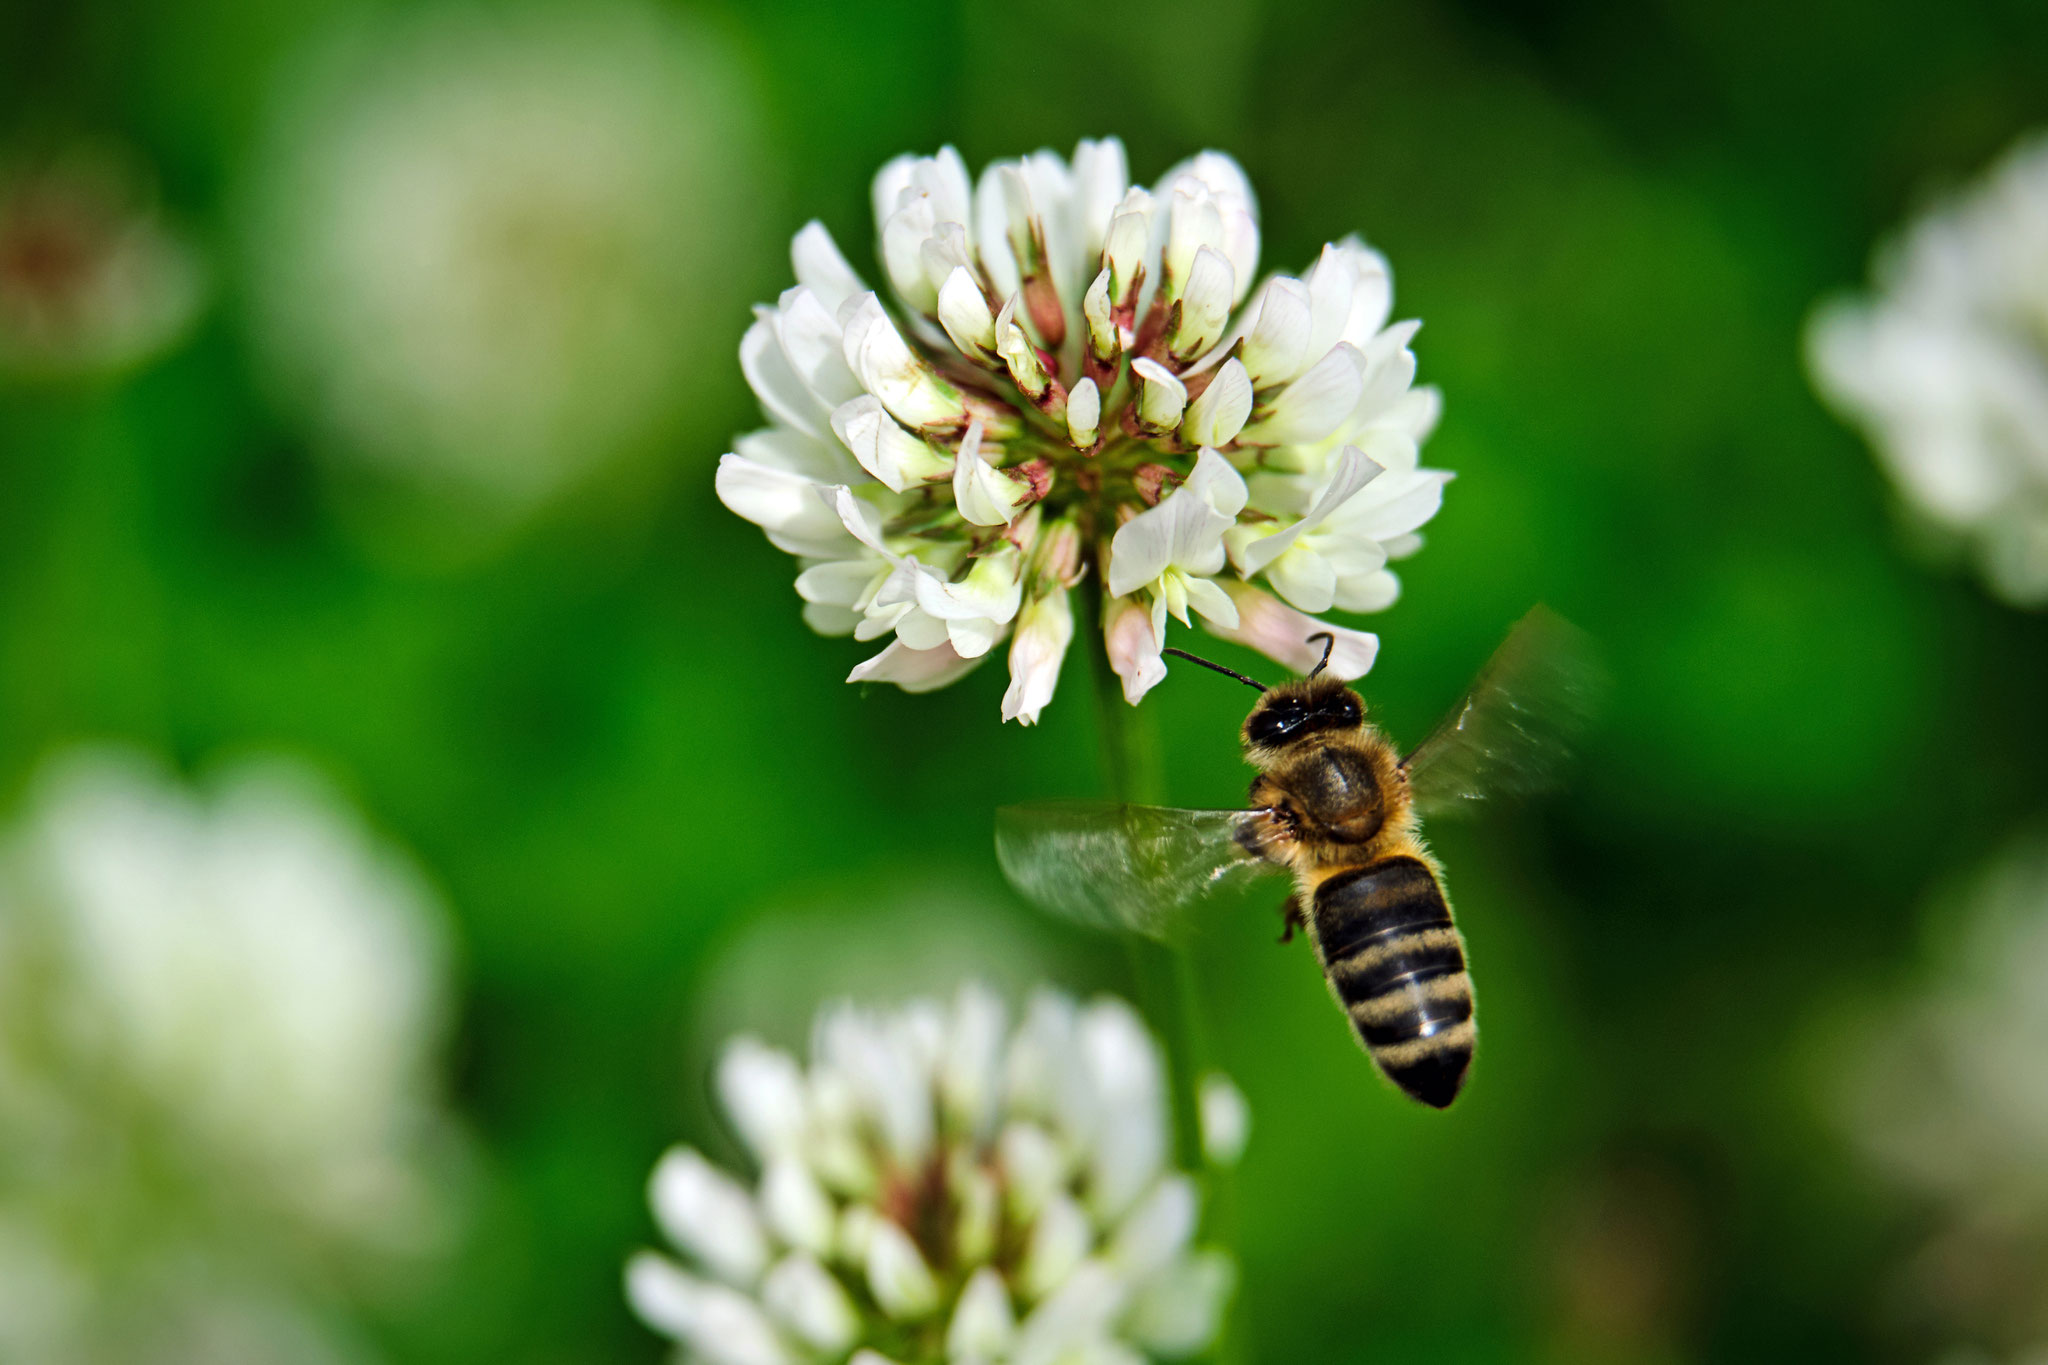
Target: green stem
x: 1164, y: 974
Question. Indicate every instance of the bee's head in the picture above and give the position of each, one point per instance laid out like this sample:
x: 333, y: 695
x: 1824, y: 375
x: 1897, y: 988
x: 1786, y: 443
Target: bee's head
x: 1294, y: 711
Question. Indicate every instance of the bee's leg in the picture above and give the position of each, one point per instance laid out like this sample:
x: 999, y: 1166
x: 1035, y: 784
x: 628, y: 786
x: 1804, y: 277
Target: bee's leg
x: 1291, y: 919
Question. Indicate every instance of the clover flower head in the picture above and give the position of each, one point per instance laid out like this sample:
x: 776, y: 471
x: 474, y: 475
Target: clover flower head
x: 938, y: 1186
x: 481, y: 241
x: 92, y: 279
x: 1944, y: 367
x: 238, y: 994
x: 1072, y: 376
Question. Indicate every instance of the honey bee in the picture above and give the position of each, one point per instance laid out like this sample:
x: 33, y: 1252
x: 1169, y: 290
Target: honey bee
x: 1337, y: 805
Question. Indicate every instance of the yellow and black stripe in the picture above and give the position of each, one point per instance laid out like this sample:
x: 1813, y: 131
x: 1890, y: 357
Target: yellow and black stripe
x: 1397, y: 964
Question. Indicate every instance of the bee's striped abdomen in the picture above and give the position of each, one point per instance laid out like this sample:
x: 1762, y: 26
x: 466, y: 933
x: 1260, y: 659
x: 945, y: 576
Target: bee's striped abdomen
x: 1397, y: 964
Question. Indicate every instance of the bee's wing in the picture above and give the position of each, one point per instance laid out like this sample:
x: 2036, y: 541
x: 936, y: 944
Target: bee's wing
x: 1510, y: 734
x: 1141, y: 868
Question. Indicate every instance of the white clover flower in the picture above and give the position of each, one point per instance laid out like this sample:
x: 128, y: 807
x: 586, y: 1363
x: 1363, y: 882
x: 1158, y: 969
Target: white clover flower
x: 1944, y: 367
x: 1075, y: 358
x: 1946, y: 1090
x: 938, y: 1186
x: 241, y: 995
x: 91, y: 277
x: 485, y: 242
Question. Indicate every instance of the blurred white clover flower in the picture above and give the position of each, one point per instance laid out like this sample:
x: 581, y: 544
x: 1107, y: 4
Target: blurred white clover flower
x: 1946, y: 1090
x: 1081, y: 374
x: 935, y: 1186
x: 487, y: 239
x: 1944, y: 367
x: 219, y: 1023
x: 92, y: 279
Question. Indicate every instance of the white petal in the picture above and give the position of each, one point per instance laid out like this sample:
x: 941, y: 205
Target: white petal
x: 814, y: 347
x: 1157, y: 1230
x: 914, y: 670
x: 983, y: 1325
x: 804, y: 1298
x: 1020, y: 357
x: 1133, y: 647
x: 984, y: 495
x: 1306, y: 579
x: 718, y: 1324
x: 1205, y: 303
x: 1210, y: 602
x: 665, y: 1297
x: 1216, y: 481
x: 784, y: 396
x: 795, y: 452
x: 783, y: 504
x: 1215, y: 418
x: 978, y: 1202
x: 904, y: 234
x: 732, y: 1330
x: 1078, y: 1314
x: 821, y: 268
x: 897, y: 1274
x: 991, y: 226
x: 890, y: 1081
x: 1409, y: 506
x: 991, y: 592
x: 1161, y: 396
x: 1101, y: 179
x: 762, y: 1090
x: 1179, y: 1311
x: 1128, y: 248
x: 1097, y: 310
x: 1311, y: 407
x: 887, y: 367
x: 1226, y: 1119
x: 1372, y: 592
x: 1124, y: 1066
x: 828, y: 619
x: 865, y: 1356
x: 1351, y: 473
x: 1281, y: 633
x: 899, y: 459
x: 1045, y: 627
x: 795, y: 1207
x: 886, y: 191
x: 964, y: 313
x: 1060, y: 1237
x: 1184, y: 531
x: 1084, y: 414
x: 708, y: 1214
x: 1034, y: 1166
x: 1277, y: 347
x: 1372, y: 291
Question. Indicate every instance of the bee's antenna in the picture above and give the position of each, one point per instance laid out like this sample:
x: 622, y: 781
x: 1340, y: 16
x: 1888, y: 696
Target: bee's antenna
x: 1226, y: 672
x: 1329, y: 644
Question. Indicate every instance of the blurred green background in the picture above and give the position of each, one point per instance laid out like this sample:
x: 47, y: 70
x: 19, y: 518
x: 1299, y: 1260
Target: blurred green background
x: 602, y: 728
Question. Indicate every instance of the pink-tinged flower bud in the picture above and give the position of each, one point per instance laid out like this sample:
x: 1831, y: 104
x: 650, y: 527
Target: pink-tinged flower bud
x: 1044, y: 629
x: 1134, y: 647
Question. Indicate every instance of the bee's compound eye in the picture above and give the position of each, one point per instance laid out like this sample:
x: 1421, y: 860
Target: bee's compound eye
x: 1275, y: 722
x: 1348, y: 711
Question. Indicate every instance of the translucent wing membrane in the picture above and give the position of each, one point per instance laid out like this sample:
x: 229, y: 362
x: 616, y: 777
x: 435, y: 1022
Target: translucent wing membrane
x: 1511, y: 734
x: 1141, y: 868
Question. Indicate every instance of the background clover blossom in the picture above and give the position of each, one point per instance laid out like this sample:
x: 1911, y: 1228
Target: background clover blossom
x: 1944, y: 367
x: 935, y: 1185
x: 220, y: 1019
x: 1081, y: 375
